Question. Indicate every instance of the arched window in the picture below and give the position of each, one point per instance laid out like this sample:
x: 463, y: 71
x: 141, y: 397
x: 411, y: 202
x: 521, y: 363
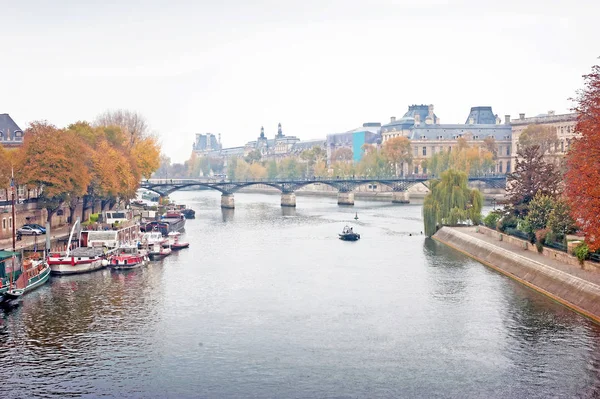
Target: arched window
x: 500, y: 167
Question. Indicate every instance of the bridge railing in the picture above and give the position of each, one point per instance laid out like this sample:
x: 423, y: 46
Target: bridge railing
x: 411, y: 177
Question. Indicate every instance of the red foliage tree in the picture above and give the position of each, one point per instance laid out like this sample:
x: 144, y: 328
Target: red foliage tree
x: 583, y: 161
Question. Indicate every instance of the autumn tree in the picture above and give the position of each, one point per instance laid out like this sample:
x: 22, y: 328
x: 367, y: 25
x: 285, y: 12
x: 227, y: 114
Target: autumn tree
x: 257, y: 171
x: 583, y: 161
x: 373, y: 164
x: 543, y: 136
x: 532, y: 176
x: 5, y: 170
x: 131, y: 123
x: 272, y: 169
x: 312, y: 156
x: 489, y: 143
x: 48, y: 162
x: 342, y: 154
x: 398, y: 152
x: 471, y: 160
x: 253, y: 156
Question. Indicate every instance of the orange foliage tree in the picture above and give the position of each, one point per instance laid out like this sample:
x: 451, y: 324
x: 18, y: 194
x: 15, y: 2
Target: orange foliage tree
x: 52, y: 160
x: 398, y: 152
x: 582, y: 180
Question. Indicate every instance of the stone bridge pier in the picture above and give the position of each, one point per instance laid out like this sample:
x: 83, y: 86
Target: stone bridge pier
x: 288, y: 199
x: 227, y: 201
x: 345, y: 198
x: 400, y: 197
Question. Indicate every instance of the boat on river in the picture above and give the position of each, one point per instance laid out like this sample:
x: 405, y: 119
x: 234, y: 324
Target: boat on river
x: 158, y: 252
x: 174, y: 243
x: 128, y: 256
x: 348, y: 234
x: 171, y: 221
x: 92, y: 249
x: 19, y: 276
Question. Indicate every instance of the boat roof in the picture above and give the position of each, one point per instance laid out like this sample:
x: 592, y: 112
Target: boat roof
x: 174, y: 233
x: 4, y: 254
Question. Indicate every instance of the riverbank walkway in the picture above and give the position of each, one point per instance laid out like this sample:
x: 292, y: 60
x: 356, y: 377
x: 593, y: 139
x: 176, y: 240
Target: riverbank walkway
x: 588, y: 275
x: 60, y: 232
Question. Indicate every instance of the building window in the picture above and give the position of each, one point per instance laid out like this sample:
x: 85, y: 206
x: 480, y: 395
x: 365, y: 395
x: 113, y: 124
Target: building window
x: 507, y: 166
x: 424, y: 151
x: 424, y: 170
x: 10, y: 223
x: 507, y: 150
x: 433, y: 150
x: 3, y: 223
x: 416, y: 151
x: 500, y: 167
x: 416, y: 170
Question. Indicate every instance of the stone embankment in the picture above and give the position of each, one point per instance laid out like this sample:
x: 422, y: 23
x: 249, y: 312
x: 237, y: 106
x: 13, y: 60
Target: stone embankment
x: 563, y: 280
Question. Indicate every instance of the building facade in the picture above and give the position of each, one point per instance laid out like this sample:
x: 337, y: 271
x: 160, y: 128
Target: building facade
x: 206, y: 143
x: 428, y: 135
x: 565, y: 131
x: 355, y: 139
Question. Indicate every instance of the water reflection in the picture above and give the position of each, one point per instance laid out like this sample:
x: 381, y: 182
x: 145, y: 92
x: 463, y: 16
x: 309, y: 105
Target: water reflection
x: 227, y: 214
x: 288, y: 211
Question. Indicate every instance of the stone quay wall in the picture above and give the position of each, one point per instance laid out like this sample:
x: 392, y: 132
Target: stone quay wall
x: 577, y: 293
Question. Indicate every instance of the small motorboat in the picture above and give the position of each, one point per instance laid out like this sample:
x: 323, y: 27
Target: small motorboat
x: 348, y: 234
x: 174, y: 243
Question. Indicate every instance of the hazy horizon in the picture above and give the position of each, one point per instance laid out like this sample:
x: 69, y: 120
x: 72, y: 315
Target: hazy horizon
x: 316, y: 67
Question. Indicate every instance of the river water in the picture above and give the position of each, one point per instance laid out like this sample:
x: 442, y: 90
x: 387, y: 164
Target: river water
x: 268, y: 303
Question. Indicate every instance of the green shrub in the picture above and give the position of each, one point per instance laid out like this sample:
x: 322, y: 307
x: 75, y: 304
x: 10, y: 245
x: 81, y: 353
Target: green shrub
x: 582, y: 252
x: 508, y: 222
x: 491, y: 220
x: 94, y: 217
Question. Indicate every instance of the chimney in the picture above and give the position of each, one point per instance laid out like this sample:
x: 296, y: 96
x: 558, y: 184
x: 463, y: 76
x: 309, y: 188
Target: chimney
x: 498, y: 121
x: 417, y: 119
x: 521, y: 116
x: 392, y: 119
x: 430, y: 111
x: 507, y: 119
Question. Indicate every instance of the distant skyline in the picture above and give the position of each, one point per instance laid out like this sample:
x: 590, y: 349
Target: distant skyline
x: 316, y: 67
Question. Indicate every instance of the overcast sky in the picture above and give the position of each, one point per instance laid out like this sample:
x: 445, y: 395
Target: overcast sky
x: 316, y: 66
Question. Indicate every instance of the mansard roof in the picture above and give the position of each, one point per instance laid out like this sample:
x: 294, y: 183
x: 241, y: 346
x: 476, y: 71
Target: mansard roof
x: 10, y: 132
x: 482, y: 116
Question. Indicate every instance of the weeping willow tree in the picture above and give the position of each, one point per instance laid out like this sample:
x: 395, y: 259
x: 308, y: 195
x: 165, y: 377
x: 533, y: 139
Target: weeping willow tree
x: 450, y: 202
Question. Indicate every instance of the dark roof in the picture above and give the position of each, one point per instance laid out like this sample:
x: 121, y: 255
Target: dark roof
x: 482, y: 116
x: 451, y: 131
x: 7, y: 123
x: 421, y: 110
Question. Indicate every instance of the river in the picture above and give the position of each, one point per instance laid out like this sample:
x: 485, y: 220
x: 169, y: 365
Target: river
x: 268, y: 303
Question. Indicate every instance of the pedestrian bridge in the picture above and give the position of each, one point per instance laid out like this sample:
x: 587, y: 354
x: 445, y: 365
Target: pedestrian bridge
x: 287, y: 187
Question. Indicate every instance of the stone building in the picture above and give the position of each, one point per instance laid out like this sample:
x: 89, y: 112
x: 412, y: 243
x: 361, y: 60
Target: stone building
x: 206, y: 143
x: 11, y: 135
x: 563, y: 123
x: 281, y: 145
x: 428, y: 135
